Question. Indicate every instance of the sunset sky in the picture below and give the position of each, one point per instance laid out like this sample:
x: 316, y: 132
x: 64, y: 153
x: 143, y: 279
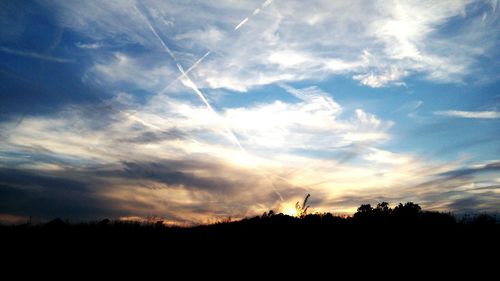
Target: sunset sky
x: 195, y: 111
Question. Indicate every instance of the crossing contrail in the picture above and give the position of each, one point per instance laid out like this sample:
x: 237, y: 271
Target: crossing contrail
x: 189, y: 83
x: 238, y: 26
x: 186, y: 72
x: 193, y: 86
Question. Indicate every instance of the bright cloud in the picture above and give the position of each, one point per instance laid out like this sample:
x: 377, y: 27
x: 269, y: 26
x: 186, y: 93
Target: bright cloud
x: 401, y: 38
x: 470, y: 114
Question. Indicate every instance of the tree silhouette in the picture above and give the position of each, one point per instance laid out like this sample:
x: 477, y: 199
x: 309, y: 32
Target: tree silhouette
x: 365, y: 209
x: 364, y: 212
x: 407, y: 212
x: 383, y: 208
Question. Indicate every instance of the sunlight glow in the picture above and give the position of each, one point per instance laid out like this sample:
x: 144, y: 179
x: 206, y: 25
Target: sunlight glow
x: 289, y: 211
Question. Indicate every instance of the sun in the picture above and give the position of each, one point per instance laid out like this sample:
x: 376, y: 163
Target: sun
x: 290, y: 211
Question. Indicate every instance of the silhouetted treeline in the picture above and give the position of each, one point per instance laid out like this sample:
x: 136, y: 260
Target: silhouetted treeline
x: 379, y: 222
x: 382, y: 214
x: 406, y: 230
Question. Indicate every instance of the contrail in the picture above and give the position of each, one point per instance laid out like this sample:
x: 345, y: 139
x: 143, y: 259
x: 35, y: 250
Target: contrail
x: 242, y: 22
x: 266, y: 3
x: 198, y: 62
x: 144, y: 123
x: 188, y: 82
x: 156, y: 34
x: 186, y: 72
x: 191, y: 84
x: 255, y: 12
x: 35, y: 55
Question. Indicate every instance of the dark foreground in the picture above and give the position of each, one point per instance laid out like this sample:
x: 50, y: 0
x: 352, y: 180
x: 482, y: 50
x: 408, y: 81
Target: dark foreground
x: 428, y: 239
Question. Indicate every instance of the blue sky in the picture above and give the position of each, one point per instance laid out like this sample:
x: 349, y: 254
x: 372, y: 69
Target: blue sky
x: 198, y: 110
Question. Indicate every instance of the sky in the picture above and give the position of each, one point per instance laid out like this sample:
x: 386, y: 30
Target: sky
x: 196, y: 111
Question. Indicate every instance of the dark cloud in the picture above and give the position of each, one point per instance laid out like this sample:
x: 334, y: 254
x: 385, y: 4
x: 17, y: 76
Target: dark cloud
x: 485, y: 202
x: 460, y: 190
x: 70, y: 195
x: 455, y: 178
x: 467, y: 172
x: 491, y: 187
x: 216, y: 178
x: 156, y: 136
x: 29, y: 193
x: 83, y: 193
x: 465, y: 203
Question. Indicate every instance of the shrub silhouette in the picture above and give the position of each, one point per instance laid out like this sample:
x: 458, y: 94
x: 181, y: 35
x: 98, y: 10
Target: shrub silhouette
x: 302, y: 210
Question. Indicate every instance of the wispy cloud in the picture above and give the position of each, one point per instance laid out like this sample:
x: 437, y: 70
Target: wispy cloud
x: 470, y: 114
x: 91, y: 46
x: 314, y: 96
x: 376, y: 80
x: 35, y: 55
x: 390, y: 42
x: 144, y: 72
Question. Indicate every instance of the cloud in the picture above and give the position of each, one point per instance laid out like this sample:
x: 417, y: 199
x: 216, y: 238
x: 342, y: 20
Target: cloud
x: 183, y: 153
x: 142, y: 72
x: 297, y: 125
x: 393, y: 75
x: 182, y: 191
x: 377, y: 44
x: 31, y: 193
x: 470, y: 114
x: 185, y: 170
x: 478, y: 169
x: 315, y: 96
x: 461, y: 188
x: 148, y: 145
x: 91, y: 46
x: 212, y: 36
x: 382, y: 156
x: 470, y: 204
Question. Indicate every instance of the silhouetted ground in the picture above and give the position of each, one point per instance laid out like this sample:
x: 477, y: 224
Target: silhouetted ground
x: 411, y: 237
